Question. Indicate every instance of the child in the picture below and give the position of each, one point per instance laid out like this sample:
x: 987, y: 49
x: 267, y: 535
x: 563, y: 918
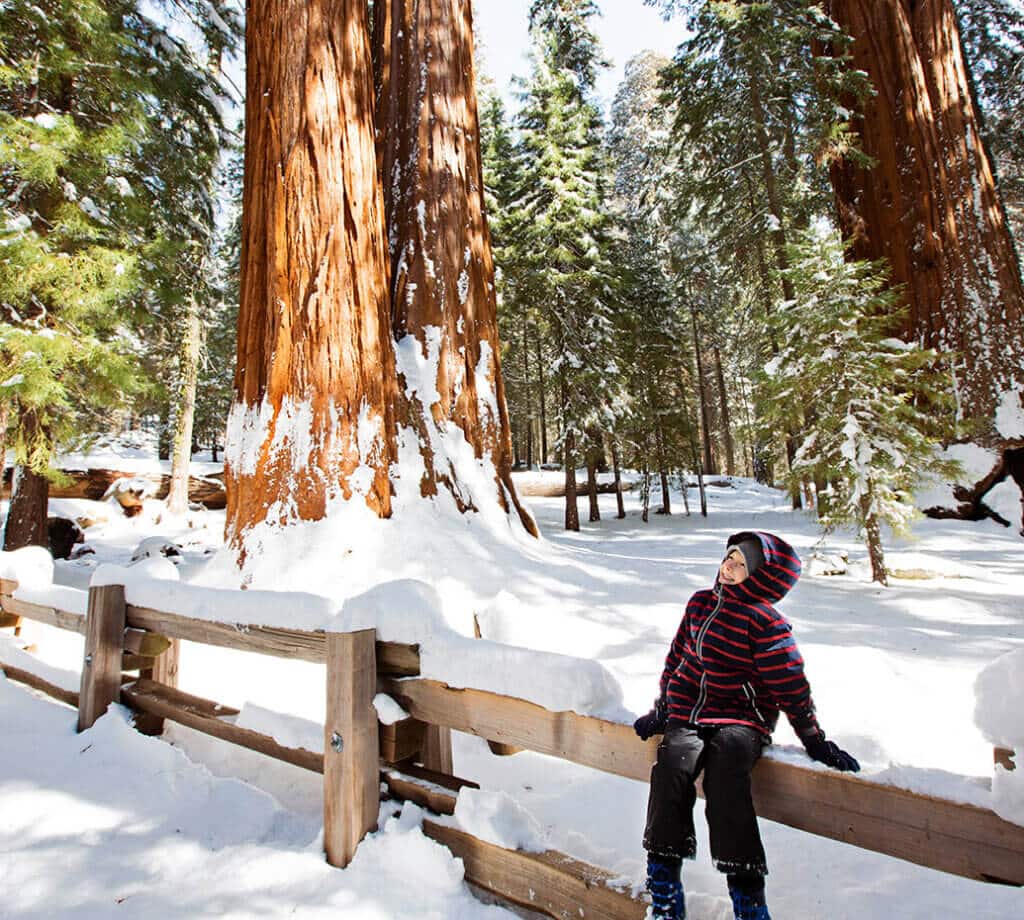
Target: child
x: 731, y: 667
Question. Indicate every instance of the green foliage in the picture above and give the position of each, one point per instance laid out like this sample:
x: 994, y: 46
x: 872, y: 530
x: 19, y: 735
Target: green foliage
x: 870, y: 431
x: 993, y: 38
x: 109, y: 130
x: 546, y: 201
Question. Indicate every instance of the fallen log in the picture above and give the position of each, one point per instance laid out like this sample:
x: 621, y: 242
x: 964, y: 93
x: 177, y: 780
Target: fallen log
x: 970, y: 499
x: 94, y: 483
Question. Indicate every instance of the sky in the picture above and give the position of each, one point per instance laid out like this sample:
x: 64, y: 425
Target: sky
x: 625, y: 28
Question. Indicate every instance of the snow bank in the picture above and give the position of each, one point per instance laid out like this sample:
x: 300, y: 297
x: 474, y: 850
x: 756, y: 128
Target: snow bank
x: 30, y: 567
x: 153, y: 583
x: 12, y: 653
x: 999, y: 713
x: 497, y: 818
x: 976, y: 463
x: 410, y: 611
x: 287, y: 730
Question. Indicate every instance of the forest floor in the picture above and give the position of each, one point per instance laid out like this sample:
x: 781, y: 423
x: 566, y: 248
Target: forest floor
x: 110, y: 823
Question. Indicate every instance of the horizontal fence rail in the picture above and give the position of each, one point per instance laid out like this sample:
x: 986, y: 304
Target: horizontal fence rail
x: 949, y: 836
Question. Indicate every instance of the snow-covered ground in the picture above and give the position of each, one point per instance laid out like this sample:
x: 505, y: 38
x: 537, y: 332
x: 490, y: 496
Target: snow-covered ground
x: 110, y: 823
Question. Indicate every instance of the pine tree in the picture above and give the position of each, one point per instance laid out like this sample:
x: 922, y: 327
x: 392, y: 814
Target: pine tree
x: 993, y: 38
x: 519, y: 321
x: 216, y: 380
x: 872, y: 435
x: 97, y: 106
x: 565, y: 227
x: 652, y: 327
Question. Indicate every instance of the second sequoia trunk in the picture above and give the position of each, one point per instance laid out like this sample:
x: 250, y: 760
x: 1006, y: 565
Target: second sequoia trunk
x: 442, y: 272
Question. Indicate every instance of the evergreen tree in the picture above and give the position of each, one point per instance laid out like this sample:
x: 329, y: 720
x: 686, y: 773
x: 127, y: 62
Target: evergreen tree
x: 869, y: 438
x: 217, y: 370
x: 565, y: 227
x: 755, y: 116
x: 101, y: 114
x: 652, y: 328
x: 993, y: 38
x: 519, y: 320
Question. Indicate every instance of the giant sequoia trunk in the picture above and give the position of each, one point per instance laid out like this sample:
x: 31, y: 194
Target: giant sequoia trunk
x: 929, y: 203
x: 442, y: 272
x: 312, y: 420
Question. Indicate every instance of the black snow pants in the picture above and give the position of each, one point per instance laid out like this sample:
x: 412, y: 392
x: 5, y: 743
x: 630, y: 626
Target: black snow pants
x: 726, y: 754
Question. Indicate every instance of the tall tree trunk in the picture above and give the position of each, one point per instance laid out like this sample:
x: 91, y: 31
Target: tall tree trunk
x: 442, y: 269
x: 645, y: 490
x: 619, y: 504
x: 929, y: 204
x: 543, y: 402
x: 30, y: 494
x: 185, y: 408
x: 775, y: 207
x: 595, y: 510
x: 723, y: 394
x: 873, y: 538
x: 314, y: 381
x: 778, y: 234
x: 666, y: 499
x: 526, y: 394
x: 705, y: 422
x: 572, y: 513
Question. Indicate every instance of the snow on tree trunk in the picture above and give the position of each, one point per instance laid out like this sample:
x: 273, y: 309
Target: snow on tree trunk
x: 723, y: 394
x: 873, y: 535
x: 185, y: 408
x: 444, y: 305
x: 929, y: 204
x: 312, y: 421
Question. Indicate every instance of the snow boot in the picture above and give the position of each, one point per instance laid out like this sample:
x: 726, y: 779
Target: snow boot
x: 668, y: 901
x: 747, y: 893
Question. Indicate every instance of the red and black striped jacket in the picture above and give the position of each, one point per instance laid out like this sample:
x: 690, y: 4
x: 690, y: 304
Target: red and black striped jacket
x: 734, y: 659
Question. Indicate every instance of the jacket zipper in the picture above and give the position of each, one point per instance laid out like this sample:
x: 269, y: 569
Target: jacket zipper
x: 750, y: 696
x: 699, y: 648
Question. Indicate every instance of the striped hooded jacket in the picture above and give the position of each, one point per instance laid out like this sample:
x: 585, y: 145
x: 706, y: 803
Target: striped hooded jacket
x: 734, y: 659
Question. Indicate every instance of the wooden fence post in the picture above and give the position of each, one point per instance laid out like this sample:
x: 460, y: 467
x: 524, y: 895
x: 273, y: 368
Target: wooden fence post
x: 104, y: 647
x: 437, y: 749
x: 351, y: 751
x: 164, y: 670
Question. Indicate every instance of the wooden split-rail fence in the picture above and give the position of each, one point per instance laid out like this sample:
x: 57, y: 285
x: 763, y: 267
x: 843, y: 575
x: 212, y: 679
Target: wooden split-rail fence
x: 413, y: 757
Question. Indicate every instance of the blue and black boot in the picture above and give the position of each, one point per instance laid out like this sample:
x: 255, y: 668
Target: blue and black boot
x: 747, y: 893
x: 668, y: 902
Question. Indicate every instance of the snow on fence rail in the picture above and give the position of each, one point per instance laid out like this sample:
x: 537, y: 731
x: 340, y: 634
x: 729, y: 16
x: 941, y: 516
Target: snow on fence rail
x: 952, y: 837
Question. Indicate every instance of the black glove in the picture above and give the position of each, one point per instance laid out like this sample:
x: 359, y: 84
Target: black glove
x: 654, y: 722
x: 830, y: 753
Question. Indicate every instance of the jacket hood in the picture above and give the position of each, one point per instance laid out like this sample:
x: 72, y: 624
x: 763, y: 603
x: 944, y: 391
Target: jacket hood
x: 774, y: 578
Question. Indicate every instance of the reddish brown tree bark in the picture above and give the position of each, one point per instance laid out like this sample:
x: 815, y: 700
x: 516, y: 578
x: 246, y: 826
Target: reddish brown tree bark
x: 442, y: 271
x: 929, y: 203
x: 314, y: 383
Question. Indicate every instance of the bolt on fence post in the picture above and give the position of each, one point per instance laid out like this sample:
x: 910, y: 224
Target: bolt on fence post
x: 104, y: 648
x: 351, y: 748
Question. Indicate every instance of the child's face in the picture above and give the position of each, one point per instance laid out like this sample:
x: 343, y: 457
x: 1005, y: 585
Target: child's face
x: 733, y: 569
